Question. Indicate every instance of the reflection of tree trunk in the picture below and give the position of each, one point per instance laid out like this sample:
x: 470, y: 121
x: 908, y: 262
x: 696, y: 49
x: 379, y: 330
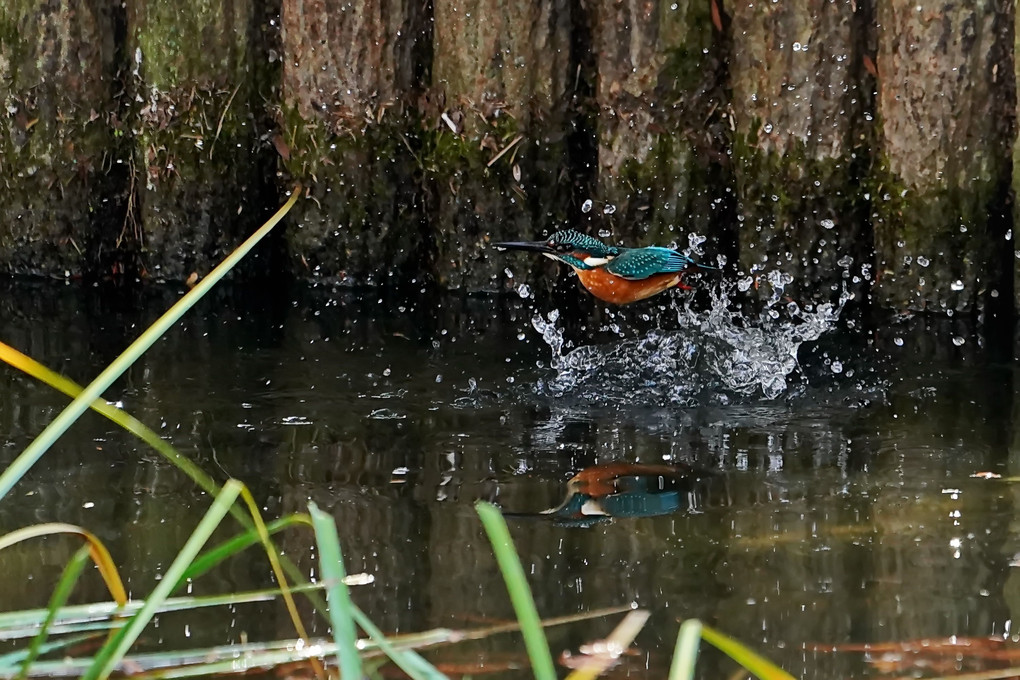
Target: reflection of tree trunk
x: 660, y: 114
x: 945, y: 104
x: 58, y: 155
x: 798, y: 105
x: 350, y: 71
x: 496, y: 129
x: 195, y: 155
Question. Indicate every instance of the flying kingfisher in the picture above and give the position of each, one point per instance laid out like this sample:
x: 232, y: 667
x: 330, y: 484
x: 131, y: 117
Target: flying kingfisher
x: 612, y: 273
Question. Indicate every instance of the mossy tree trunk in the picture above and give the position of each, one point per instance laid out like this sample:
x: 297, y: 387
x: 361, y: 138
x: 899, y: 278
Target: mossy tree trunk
x: 198, y: 181
x: 58, y: 153
x: 497, y: 129
x: 351, y: 73
x: 661, y: 120
x: 800, y: 99
x: 946, y: 106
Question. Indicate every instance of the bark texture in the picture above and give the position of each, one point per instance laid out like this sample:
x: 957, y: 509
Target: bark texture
x: 57, y: 148
x: 946, y: 99
x: 661, y: 119
x: 799, y: 105
x: 497, y: 156
x: 350, y: 77
x: 198, y: 181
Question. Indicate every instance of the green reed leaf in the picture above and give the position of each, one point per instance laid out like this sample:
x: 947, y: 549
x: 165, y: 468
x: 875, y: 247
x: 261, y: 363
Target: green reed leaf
x: 520, y: 594
x: 107, y: 659
x: 685, y: 654
x: 331, y: 566
x: 68, y: 579
x: 42, y: 443
x: 749, y: 659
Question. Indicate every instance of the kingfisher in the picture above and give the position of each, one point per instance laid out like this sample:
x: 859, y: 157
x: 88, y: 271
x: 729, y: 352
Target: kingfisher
x: 619, y: 489
x: 612, y: 273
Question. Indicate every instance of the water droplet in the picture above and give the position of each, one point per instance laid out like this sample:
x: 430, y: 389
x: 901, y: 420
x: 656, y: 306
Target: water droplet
x: 898, y: 342
x: 386, y: 372
x: 609, y: 209
x: 958, y: 341
x: 524, y: 290
x: 837, y: 367
x: 586, y: 206
x: 957, y: 285
x: 923, y: 261
x: 828, y: 224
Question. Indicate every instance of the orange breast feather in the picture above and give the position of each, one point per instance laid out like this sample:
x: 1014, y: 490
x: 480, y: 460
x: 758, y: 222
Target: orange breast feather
x: 620, y: 291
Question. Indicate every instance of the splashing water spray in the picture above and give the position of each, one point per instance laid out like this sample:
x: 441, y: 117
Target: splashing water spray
x: 718, y: 352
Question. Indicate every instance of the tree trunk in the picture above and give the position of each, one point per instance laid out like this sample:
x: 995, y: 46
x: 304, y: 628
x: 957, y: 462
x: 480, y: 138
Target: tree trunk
x: 350, y: 75
x: 58, y: 155
x: 799, y: 104
x: 661, y: 121
x: 946, y: 106
x: 198, y: 178
x: 497, y: 131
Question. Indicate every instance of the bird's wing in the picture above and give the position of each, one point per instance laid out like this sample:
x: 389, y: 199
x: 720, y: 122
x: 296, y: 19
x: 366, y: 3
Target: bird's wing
x: 640, y: 263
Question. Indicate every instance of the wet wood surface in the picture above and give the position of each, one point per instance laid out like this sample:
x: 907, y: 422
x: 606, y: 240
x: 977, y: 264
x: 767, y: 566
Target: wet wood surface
x: 813, y: 146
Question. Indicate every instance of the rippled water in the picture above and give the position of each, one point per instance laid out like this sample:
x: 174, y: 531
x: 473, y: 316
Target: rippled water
x: 838, y: 496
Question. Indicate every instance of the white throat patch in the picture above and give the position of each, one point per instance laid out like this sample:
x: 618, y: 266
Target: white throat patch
x: 596, y: 261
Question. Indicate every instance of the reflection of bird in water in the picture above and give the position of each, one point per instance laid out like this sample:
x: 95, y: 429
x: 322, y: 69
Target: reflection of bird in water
x: 612, y: 273
x: 602, y: 492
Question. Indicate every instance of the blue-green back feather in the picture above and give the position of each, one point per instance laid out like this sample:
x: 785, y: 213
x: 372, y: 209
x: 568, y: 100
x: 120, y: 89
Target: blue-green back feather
x: 576, y: 239
x: 641, y: 263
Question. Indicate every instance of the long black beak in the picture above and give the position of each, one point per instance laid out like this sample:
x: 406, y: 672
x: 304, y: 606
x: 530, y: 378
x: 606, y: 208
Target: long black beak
x: 532, y: 246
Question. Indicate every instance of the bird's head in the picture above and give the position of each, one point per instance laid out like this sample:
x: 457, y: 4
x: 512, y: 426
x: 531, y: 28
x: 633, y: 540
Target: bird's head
x: 570, y: 247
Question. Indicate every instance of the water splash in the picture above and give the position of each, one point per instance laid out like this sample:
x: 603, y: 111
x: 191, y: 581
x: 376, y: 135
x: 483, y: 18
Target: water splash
x: 717, y: 353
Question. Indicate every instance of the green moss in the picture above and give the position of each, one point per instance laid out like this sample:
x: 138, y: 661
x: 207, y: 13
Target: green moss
x: 933, y: 248
x: 801, y: 214
x: 361, y: 222
x: 199, y: 41
x: 662, y: 198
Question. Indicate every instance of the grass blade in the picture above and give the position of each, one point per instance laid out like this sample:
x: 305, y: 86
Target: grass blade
x: 68, y: 579
x: 752, y: 661
x: 114, y: 650
x: 685, y: 654
x: 281, y: 578
x: 140, y: 430
x: 97, y: 551
x: 338, y: 596
x: 20, y: 465
x: 40, y: 372
x: 407, y: 660
x: 11, y: 659
x: 520, y: 594
x: 100, y: 615
x: 238, y: 544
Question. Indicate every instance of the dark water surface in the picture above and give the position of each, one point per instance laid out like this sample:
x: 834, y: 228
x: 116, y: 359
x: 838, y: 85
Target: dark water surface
x: 843, y: 509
